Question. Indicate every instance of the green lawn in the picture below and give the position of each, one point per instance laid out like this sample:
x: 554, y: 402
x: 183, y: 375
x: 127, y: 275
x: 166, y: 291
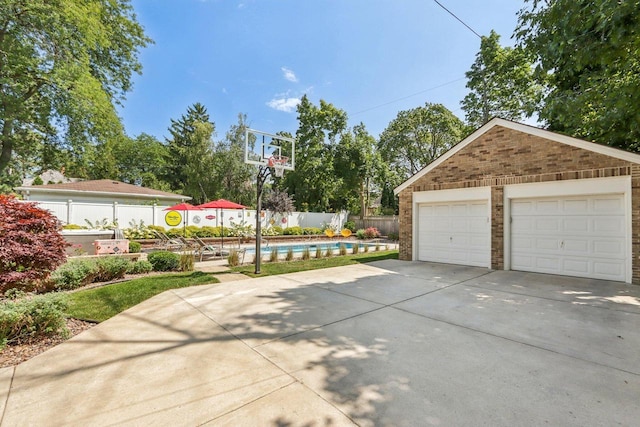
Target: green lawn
x: 283, y: 267
x: 102, y: 303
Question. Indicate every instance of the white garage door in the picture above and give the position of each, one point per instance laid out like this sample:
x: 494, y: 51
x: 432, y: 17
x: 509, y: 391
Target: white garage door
x: 455, y: 233
x: 574, y: 236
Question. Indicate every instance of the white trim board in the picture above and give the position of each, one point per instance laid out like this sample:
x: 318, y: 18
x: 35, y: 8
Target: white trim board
x: 552, y: 136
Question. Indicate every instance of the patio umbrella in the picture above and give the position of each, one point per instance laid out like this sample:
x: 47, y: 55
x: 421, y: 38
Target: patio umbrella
x: 183, y: 207
x: 221, y: 204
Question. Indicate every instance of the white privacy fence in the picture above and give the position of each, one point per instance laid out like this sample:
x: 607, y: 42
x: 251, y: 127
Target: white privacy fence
x: 129, y: 215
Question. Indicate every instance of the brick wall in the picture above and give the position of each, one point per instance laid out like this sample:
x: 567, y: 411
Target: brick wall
x: 503, y: 156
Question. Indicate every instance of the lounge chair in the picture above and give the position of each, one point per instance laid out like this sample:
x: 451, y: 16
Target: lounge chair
x: 167, y: 244
x: 205, y: 248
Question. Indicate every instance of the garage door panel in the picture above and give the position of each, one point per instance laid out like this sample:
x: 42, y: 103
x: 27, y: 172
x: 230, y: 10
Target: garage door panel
x: 575, y: 207
x: 609, y: 225
x: 582, y: 236
x: 611, y: 268
x: 576, y: 266
x: 547, y: 264
x: 576, y: 224
x: 547, y: 207
x: 547, y: 224
x: 608, y: 205
x: 608, y: 248
x: 576, y: 246
x: 550, y: 244
x: 455, y: 233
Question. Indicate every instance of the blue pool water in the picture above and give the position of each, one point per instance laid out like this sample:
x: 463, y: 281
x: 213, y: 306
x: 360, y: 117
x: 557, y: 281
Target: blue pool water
x: 299, y: 248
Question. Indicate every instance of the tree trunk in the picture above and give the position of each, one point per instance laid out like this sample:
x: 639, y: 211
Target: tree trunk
x: 6, y: 140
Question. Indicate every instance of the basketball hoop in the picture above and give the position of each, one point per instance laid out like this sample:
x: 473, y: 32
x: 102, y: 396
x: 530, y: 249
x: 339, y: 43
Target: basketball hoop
x: 277, y: 163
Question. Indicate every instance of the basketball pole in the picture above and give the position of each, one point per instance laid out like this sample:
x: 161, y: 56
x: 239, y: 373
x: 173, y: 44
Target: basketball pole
x: 263, y: 173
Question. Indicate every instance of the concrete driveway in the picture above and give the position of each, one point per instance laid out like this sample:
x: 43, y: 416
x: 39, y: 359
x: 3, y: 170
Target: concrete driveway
x: 389, y: 343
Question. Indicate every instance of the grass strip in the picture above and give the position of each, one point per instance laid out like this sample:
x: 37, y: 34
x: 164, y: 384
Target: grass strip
x: 102, y: 303
x: 284, y: 267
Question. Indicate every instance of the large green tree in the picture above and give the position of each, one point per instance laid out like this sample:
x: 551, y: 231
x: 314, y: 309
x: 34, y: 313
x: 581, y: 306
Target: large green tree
x: 190, y: 159
x: 588, y: 54
x: 417, y: 137
x: 64, y: 64
x: 357, y: 163
x: 500, y: 83
x: 313, y: 184
x: 235, y: 178
x: 141, y: 160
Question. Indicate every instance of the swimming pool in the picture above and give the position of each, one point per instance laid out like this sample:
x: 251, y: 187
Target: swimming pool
x: 300, y: 247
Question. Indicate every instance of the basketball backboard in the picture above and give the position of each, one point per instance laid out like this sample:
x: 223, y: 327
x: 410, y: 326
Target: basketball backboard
x: 261, y: 147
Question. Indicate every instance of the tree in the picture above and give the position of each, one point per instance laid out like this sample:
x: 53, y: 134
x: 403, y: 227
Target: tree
x: 417, y: 137
x: 501, y: 84
x: 31, y: 245
x: 279, y: 202
x: 234, y: 177
x: 314, y: 183
x: 63, y: 66
x: 357, y: 163
x: 190, y: 154
x: 141, y: 160
x: 588, y: 55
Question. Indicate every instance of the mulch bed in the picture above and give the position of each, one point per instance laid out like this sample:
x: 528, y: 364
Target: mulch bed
x: 14, y: 354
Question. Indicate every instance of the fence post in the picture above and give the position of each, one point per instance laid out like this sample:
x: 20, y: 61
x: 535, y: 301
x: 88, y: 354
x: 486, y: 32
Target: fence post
x: 69, y: 215
x: 114, y: 220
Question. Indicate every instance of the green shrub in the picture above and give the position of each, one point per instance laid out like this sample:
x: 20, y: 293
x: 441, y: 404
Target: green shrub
x: 164, y: 261
x: 355, y: 249
x: 159, y: 228
x: 329, y: 252
x: 111, y: 268
x: 273, y: 256
x: 293, y: 231
x: 208, y: 231
x: 289, y: 256
x: 360, y: 234
x: 306, y: 253
x: 366, y: 248
x: 135, y: 247
x: 175, y: 232
x: 73, y: 227
x: 311, y: 231
x: 394, y: 236
x: 277, y: 230
x: 74, y: 274
x: 318, y: 252
x: 140, y: 267
x: 342, y: 249
x: 187, y: 261
x: 377, y: 247
x: 34, y: 316
x: 351, y: 225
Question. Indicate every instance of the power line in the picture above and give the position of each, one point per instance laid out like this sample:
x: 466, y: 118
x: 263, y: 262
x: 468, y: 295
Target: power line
x: 460, y: 20
x: 407, y: 97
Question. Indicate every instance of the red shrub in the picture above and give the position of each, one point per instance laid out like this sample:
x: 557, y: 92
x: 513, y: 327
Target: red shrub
x: 31, y: 245
x: 371, y: 233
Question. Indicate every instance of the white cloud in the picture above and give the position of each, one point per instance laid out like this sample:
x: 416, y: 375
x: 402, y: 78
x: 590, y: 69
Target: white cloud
x: 288, y: 105
x: 289, y: 75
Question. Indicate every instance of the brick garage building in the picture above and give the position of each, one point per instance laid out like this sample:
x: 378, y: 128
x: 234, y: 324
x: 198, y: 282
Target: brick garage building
x: 516, y: 197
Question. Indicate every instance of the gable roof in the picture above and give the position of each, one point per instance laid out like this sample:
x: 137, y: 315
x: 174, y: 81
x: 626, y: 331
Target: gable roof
x: 103, y: 187
x: 531, y: 130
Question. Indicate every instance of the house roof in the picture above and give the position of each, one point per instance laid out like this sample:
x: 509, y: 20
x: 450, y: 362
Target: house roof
x: 102, y: 187
x: 531, y: 130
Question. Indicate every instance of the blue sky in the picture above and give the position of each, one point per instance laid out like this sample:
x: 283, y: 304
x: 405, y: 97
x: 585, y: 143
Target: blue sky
x: 371, y: 58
